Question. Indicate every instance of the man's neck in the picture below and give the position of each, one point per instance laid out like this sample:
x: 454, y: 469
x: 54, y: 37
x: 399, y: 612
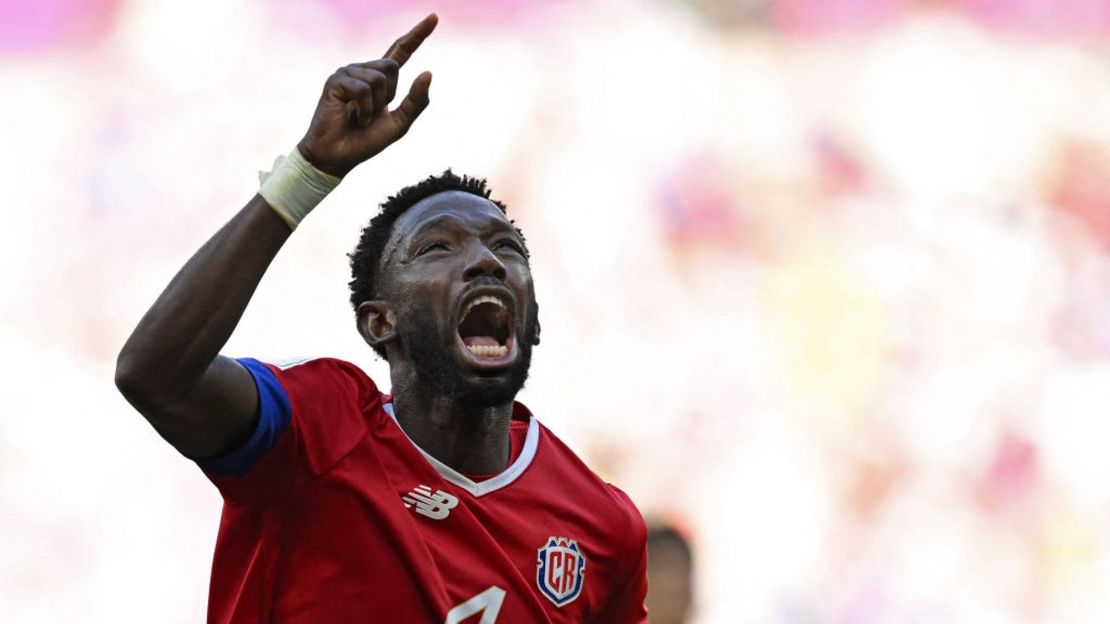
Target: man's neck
x: 470, y: 440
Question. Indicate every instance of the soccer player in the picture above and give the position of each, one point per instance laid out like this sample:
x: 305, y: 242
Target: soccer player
x: 442, y: 501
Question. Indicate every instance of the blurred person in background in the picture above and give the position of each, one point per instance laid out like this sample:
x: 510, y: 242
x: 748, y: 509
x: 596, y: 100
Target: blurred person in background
x: 670, y: 575
x: 442, y: 501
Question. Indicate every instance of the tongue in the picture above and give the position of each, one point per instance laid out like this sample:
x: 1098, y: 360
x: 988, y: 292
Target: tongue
x: 480, y: 341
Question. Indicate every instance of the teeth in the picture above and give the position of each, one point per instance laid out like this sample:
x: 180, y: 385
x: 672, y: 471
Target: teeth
x: 489, y: 351
x: 484, y: 299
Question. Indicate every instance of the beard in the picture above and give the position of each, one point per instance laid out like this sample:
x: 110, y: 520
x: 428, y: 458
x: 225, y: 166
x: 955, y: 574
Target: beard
x: 431, y: 353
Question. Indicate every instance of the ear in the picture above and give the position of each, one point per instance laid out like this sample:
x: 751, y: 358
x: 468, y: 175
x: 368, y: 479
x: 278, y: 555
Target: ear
x: 376, y: 323
x: 536, y: 340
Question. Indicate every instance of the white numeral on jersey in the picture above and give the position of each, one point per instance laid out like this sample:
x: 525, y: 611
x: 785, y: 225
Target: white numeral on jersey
x: 488, y: 603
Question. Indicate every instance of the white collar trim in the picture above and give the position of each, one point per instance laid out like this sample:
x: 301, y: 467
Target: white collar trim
x: 504, y: 478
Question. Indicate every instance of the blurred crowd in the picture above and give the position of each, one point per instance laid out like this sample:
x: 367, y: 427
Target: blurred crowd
x: 823, y: 283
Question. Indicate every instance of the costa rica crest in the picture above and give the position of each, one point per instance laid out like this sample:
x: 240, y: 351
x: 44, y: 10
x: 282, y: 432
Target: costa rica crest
x: 560, y: 569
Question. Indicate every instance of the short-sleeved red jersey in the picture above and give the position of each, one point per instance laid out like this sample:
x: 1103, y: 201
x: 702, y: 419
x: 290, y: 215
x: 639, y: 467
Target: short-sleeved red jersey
x: 332, y: 514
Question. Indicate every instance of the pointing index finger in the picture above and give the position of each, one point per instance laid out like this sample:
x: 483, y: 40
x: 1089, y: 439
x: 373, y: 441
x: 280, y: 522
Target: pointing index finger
x: 403, y: 48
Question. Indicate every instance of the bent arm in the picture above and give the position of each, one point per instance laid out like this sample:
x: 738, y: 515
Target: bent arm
x: 170, y: 369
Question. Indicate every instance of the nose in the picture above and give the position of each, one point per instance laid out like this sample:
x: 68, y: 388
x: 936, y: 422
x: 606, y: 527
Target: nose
x: 482, y: 261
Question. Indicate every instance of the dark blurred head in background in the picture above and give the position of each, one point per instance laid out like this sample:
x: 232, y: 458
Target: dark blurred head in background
x: 670, y: 575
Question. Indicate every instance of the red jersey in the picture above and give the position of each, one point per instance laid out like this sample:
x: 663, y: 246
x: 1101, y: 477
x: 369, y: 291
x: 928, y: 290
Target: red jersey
x: 332, y: 514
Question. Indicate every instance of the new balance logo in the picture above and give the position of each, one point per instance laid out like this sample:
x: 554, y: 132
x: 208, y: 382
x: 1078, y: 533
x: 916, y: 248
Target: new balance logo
x: 435, y: 506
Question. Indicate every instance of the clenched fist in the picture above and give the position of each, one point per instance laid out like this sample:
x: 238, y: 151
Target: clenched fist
x: 352, y: 121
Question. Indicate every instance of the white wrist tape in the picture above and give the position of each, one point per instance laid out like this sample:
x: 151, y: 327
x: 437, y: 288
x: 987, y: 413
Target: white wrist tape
x: 294, y: 187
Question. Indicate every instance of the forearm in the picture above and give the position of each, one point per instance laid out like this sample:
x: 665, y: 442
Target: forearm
x: 183, y: 332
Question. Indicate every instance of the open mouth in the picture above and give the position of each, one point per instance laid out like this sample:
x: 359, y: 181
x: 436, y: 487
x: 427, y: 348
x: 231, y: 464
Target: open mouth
x: 486, y: 327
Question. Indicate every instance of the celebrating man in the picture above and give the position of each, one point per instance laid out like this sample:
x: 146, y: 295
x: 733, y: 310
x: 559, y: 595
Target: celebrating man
x: 442, y: 501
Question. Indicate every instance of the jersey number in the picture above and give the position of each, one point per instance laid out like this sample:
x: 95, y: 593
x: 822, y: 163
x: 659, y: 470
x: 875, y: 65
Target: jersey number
x: 488, y: 603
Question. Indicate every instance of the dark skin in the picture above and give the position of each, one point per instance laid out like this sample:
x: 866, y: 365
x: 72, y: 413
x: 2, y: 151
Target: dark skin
x: 170, y: 369
x: 445, y: 250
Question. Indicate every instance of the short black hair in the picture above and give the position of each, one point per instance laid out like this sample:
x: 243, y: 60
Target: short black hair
x: 660, y: 533
x: 367, y: 256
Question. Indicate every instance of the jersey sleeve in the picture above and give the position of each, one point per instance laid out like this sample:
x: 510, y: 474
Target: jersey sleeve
x: 627, y: 602
x: 311, y: 413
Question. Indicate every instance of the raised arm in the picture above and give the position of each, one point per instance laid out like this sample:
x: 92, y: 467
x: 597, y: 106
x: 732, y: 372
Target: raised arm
x: 203, y: 403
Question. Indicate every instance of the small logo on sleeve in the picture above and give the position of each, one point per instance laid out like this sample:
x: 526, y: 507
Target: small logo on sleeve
x: 560, y: 568
x: 433, y: 505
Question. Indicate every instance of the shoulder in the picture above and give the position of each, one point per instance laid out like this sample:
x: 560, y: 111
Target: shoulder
x: 321, y: 393
x: 316, y: 364
x: 631, y: 515
x: 333, y: 405
x: 322, y: 374
x: 611, y: 505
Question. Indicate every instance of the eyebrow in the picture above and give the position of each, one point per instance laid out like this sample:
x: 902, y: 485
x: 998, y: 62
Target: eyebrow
x: 496, y: 226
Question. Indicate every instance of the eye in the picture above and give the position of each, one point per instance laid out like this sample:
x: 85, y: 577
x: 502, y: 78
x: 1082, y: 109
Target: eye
x: 431, y: 247
x: 508, y: 243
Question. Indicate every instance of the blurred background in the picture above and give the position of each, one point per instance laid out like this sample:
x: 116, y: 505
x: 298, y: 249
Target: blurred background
x: 824, y: 284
